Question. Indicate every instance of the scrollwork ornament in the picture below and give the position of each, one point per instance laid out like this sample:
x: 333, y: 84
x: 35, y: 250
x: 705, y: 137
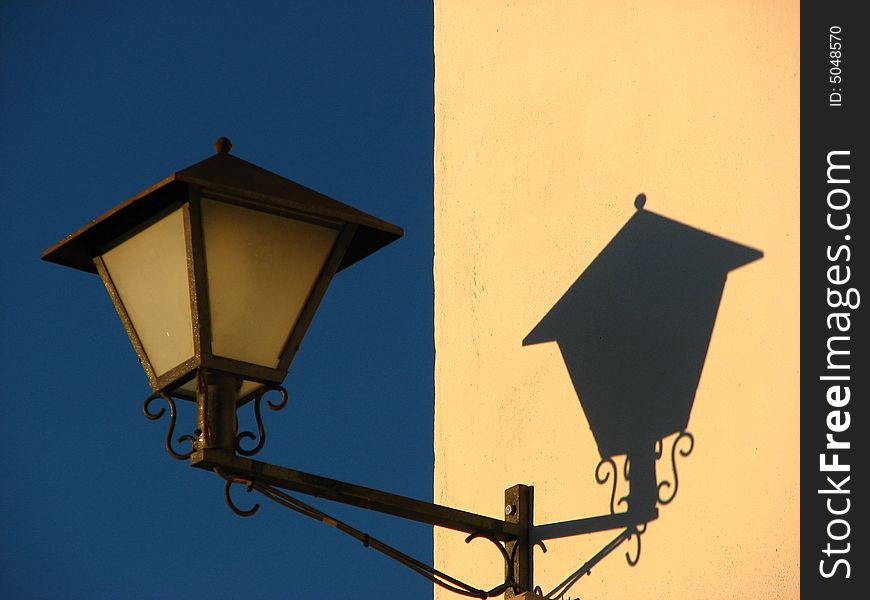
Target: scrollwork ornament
x: 510, y: 576
x: 153, y: 416
x: 261, y: 430
x: 230, y: 480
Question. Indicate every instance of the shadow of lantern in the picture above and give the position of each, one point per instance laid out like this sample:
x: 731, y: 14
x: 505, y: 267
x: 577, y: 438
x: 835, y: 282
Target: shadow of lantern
x: 634, y: 330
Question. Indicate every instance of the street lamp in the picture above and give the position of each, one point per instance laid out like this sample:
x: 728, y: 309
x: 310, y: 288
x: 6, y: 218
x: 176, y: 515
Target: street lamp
x: 221, y: 267
x: 216, y: 273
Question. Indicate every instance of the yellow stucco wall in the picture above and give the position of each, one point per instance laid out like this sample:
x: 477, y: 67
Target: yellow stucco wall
x: 550, y: 118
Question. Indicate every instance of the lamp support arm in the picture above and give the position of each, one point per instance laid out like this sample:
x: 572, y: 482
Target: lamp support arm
x: 431, y: 573
x: 357, y: 495
x: 216, y: 448
x: 552, y: 531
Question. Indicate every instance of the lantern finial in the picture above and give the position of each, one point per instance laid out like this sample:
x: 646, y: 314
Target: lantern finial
x: 223, y: 145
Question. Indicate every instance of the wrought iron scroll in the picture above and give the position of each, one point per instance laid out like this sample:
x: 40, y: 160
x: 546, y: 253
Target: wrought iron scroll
x: 510, y: 579
x: 667, y: 498
x: 261, y: 431
x: 171, y: 431
x: 230, y: 480
x: 432, y: 574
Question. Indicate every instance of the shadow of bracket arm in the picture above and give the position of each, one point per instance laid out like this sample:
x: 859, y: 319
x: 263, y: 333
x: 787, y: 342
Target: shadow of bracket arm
x: 563, y: 529
x: 563, y: 587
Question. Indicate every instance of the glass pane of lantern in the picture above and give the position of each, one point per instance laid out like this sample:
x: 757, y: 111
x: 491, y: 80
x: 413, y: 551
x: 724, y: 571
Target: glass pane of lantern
x: 149, y: 271
x: 261, y: 268
x: 246, y: 388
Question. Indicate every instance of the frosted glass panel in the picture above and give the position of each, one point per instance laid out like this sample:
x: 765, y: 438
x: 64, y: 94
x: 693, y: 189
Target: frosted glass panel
x: 246, y: 388
x: 261, y: 268
x: 149, y: 271
x: 189, y: 387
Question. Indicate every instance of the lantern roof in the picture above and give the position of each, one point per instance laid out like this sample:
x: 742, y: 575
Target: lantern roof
x: 224, y: 175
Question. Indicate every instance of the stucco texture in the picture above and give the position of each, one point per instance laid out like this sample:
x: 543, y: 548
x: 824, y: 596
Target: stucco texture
x: 551, y: 117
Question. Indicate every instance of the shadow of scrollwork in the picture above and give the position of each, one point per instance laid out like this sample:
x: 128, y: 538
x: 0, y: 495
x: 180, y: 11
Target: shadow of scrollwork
x: 635, y: 533
x: 607, y: 472
x: 609, y: 475
x: 667, y: 498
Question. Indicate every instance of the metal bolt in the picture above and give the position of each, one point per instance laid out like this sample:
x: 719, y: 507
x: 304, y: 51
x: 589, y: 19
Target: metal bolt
x: 510, y: 509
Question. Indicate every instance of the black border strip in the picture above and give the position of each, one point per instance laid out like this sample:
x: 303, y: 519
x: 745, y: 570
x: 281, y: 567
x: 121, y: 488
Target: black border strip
x: 834, y: 229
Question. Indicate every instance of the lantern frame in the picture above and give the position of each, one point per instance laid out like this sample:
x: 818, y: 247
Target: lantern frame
x: 228, y: 179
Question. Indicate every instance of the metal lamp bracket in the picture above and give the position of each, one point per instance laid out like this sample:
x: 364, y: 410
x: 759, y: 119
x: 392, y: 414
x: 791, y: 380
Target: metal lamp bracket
x: 216, y: 446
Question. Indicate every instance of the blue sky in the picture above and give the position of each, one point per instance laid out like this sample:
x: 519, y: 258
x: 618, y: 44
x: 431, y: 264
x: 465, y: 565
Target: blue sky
x: 98, y: 100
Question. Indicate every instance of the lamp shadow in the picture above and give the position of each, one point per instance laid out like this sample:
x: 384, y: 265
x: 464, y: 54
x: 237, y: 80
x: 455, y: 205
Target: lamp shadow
x: 634, y: 330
